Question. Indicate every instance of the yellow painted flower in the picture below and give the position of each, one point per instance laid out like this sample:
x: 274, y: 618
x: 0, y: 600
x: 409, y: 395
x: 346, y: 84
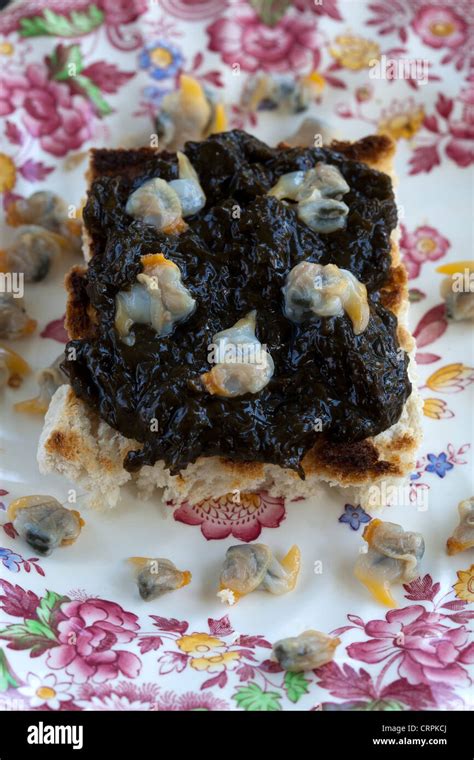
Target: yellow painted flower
x: 7, y: 173
x: 451, y: 378
x: 6, y: 48
x: 206, y: 655
x: 436, y: 409
x: 199, y: 643
x: 354, y: 52
x: 464, y: 588
x: 217, y: 663
x: 401, y: 121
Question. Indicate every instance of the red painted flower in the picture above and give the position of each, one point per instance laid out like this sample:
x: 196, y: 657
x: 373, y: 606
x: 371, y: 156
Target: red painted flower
x: 88, y: 632
x: 428, y: 651
x: 461, y: 146
x: 440, y: 27
x: 242, y: 517
x: 425, y: 244
x: 60, y: 120
x: 293, y: 43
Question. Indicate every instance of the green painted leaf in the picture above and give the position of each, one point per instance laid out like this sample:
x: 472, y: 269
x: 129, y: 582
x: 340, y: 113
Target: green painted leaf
x: 296, y: 685
x: 389, y: 704
x: 375, y: 705
x: 91, y: 91
x: 47, y: 606
x: 6, y: 677
x: 65, y: 62
x: 270, y: 11
x: 28, y: 628
x: 35, y: 637
x: 57, y: 25
x: 253, y: 698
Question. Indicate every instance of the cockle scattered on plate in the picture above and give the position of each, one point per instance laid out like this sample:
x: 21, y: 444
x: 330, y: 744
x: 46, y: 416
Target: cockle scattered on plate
x: 158, y: 576
x: 14, y: 321
x: 462, y: 538
x: 44, y: 523
x: 49, y: 380
x: 308, y: 651
x: 253, y: 566
x: 286, y: 94
x: 13, y: 368
x: 457, y: 290
x: 393, y: 556
x: 190, y: 113
x: 44, y: 232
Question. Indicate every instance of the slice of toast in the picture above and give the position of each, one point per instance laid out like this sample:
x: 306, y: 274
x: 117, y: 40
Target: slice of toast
x: 77, y: 443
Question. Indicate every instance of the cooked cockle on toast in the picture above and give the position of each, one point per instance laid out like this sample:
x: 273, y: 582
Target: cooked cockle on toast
x: 246, y: 330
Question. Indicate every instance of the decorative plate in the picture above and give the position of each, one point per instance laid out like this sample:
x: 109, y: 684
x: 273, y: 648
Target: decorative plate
x: 75, y: 634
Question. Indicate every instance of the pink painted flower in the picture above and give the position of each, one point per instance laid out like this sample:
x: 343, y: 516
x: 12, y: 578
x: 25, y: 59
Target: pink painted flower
x: 327, y: 8
x: 240, y: 516
x: 460, y: 148
x: 119, y: 696
x: 189, y: 701
x: 427, y: 650
x: 424, y: 244
x: 88, y: 632
x: 293, y: 43
x: 193, y: 10
x: 60, y: 120
x: 440, y: 27
x: 119, y: 12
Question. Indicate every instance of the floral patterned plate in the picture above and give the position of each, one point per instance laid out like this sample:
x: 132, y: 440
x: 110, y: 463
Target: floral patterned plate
x: 74, y: 633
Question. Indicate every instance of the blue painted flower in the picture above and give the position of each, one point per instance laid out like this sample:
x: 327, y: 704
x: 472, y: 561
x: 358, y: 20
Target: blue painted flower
x: 415, y: 476
x: 10, y: 560
x: 154, y: 94
x: 161, y: 59
x: 354, y: 516
x: 439, y: 464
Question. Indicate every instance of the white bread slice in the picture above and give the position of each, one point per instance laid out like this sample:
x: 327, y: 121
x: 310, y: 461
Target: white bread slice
x: 78, y: 444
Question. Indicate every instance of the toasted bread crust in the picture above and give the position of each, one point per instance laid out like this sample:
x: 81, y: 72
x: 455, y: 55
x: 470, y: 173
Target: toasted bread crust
x: 79, y: 320
x: 389, y: 455
x: 375, y: 150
